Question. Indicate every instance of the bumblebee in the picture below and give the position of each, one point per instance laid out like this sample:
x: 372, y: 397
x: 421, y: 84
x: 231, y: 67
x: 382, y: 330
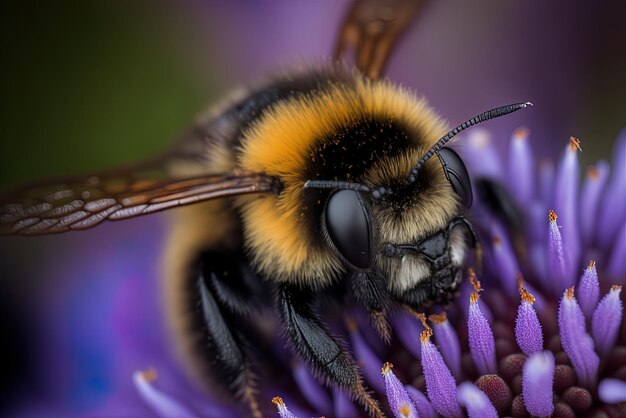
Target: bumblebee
x: 318, y: 179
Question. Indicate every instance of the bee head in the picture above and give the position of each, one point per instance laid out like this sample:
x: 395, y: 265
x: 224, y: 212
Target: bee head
x: 425, y: 267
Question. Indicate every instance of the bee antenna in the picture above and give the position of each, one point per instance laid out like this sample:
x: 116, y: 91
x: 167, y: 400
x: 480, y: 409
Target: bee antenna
x: 490, y: 114
x: 345, y: 185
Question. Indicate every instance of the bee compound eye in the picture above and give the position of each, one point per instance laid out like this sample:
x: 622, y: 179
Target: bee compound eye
x: 348, y: 226
x: 457, y: 174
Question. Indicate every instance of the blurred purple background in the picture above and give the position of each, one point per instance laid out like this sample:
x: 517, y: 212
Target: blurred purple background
x: 94, y: 84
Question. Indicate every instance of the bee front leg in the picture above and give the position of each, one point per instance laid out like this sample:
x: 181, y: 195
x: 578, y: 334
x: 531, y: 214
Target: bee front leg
x: 318, y: 348
x: 225, y: 294
x: 370, y: 289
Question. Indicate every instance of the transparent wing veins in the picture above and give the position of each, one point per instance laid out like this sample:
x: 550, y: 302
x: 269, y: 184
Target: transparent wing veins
x: 83, y: 203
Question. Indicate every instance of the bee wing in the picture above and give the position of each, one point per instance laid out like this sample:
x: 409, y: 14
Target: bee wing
x: 84, y: 202
x: 150, y: 186
x: 372, y: 28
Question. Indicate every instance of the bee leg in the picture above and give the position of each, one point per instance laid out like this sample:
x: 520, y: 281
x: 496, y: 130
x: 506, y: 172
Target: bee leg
x: 318, y: 348
x: 224, y: 293
x: 417, y: 298
x: 370, y: 290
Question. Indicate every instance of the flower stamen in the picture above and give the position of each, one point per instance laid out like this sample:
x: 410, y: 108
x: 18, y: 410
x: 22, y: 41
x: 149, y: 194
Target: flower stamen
x: 606, y: 320
x: 527, y: 326
x: 283, y: 411
x: 448, y: 342
x: 397, y: 396
x: 473, y: 279
x: 589, y: 290
x: 160, y: 402
x: 576, y: 342
x: 574, y: 144
x: 481, y: 340
x: 440, y: 385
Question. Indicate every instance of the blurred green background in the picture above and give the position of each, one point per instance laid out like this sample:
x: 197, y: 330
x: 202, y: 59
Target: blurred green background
x: 87, y: 85
x: 92, y: 84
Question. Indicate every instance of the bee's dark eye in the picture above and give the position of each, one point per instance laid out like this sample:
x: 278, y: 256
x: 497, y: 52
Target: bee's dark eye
x: 348, y: 225
x: 457, y: 174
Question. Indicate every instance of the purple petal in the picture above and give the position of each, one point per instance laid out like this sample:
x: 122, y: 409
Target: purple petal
x: 612, y: 391
x: 590, y: 198
x: 588, y: 290
x: 539, y: 260
x: 527, y: 327
x: 467, y: 288
x: 364, y: 320
x: 606, y: 321
x: 537, y: 383
x: 368, y: 360
x: 616, y: 267
x: 481, y: 342
x: 481, y: 155
x: 537, y: 216
x: 310, y: 388
x: 421, y: 402
x: 546, y: 180
x: 296, y: 407
x: 576, y: 342
x: 343, y: 406
x: 399, y: 401
x: 504, y: 260
x: 521, y: 167
x: 557, y: 257
x: 475, y: 401
x: 283, y: 411
x: 162, y: 404
x: 538, y: 238
x: 613, y: 207
x: 408, y: 330
x: 566, y: 202
x: 448, y: 343
x: 440, y: 385
x: 540, y: 301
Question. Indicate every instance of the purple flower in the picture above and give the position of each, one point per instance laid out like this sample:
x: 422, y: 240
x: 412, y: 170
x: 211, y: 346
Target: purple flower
x: 576, y: 342
x: 527, y: 327
x: 612, y: 390
x: 311, y: 389
x: 566, y: 204
x: 343, y: 405
x: 475, y: 401
x: 505, y: 361
x: 588, y: 290
x: 607, y: 318
x: 399, y: 400
x: 556, y: 254
x: 440, y: 385
x: 283, y: 411
x: 448, y: 342
x: 421, y: 402
x: 481, y: 343
x: 537, y: 383
x: 161, y: 403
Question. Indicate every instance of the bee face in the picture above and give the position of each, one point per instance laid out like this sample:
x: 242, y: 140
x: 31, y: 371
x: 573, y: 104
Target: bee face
x: 415, y: 235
